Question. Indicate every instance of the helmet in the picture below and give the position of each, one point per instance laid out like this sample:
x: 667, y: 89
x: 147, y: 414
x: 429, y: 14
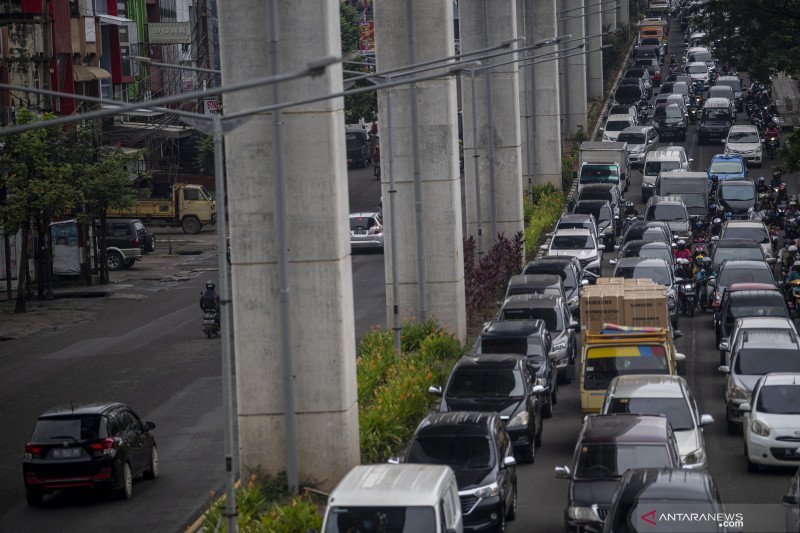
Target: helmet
x: 210, y: 285
x: 776, y: 173
x: 792, y: 249
x: 681, y: 244
x: 717, y: 221
x: 761, y: 179
x: 683, y: 261
x: 706, y: 260
x: 793, y: 203
x: 714, y: 177
x: 796, y: 264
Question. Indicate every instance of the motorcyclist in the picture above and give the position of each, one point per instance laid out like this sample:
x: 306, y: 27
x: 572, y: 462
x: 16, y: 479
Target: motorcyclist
x: 716, y: 226
x: 209, y: 298
x: 683, y: 269
x: 772, y: 132
x: 681, y: 252
x: 792, y: 211
x: 795, y: 273
x: 782, y: 195
x: 630, y: 210
x: 703, y: 274
x: 712, y: 192
x: 776, y: 178
x: 761, y: 185
x: 790, y: 257
x: 673, y: 63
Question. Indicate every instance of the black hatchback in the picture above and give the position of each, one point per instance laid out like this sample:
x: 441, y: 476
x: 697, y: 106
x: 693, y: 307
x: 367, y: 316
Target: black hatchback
x: 100, y: 446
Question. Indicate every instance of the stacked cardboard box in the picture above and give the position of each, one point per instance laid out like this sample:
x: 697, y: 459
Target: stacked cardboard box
x: 627, y: 302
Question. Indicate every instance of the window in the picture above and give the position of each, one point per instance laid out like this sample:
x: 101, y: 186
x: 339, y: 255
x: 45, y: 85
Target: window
x: 119, y: 230
x: 77, y: 428
x: 549, y: 315
x: 760, y: 361
x: 491, y: 382
x: 667, y: 213
x: 602, y: 461
x: 191, y: 194
x: 572, y: 242
x: 675, y: 409
x: 114, y: 425
x: 457, y: 451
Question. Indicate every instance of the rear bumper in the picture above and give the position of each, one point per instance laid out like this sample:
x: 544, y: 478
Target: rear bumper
x: 103, y: 479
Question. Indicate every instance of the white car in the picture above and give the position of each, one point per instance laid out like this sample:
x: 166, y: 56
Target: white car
x: 668, y: 396
x: 771, y: 422
x: 366, y: 231
x: 750, y: 324
x: 744, y: 140
x: 614, y: 126
x: 579, y: 243
x: 699, y: 72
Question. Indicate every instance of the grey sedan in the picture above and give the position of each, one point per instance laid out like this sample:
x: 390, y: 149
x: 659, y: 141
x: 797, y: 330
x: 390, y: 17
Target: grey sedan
x: 366, y: 231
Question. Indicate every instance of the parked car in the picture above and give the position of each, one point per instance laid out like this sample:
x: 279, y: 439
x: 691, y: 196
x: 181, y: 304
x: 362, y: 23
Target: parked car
x: 607, y: 446
x: 568, y: 268
x: 770, y: 420
x: 577, y: 243
x: 501, y: 383
x: 102, y: 446
x: 127, y: 241
x: 667, y: 395
x: 478, y: 449
x: 366, y: 231
x: 359, y: 149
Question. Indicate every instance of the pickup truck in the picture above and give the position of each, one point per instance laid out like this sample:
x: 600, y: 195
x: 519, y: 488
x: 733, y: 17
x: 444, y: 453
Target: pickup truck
x: 188, y: 206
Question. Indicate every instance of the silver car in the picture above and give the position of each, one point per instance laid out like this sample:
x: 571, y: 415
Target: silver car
x: 641, y: 140
x: 663, y: 395
x: 366, y: 231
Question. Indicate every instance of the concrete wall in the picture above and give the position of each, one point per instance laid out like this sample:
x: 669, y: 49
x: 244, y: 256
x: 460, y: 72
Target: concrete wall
x: 320, y: 276
x: 439, y: 166
x: 594, y: 59
x: 610, y: 14
x: 572, y: 23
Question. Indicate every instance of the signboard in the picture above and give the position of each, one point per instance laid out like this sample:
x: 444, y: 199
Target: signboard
x: 169, y: 32
x: 211, y: 106
x: 366, y: 40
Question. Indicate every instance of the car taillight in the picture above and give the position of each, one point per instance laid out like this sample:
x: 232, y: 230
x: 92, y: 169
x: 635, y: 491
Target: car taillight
x: 136, y: 242
x: 378, y: 230
x: 104, y: 447
x: 32, y: 451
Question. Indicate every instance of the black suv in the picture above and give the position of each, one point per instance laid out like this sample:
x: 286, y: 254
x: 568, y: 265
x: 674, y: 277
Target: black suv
x: 670, y: 121
x: 478, y: 449
x: 500, y: 383
x: 530, y: 338
x: 359, y: 149
x: 568, y: 268
x: 127, y: 241
x: 101, y: 446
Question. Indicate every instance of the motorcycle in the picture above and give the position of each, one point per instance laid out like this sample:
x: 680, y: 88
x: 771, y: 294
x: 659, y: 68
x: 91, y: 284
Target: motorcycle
x: 211, y: 322
x: 686, y: 296
x: 793, y: 296
x: 692, y: 114
x: 771, y: 145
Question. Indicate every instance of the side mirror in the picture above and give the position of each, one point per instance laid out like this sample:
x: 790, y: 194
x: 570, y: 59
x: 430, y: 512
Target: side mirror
x: 745, y: 407
x: 394, y: 461
x: 584, y: 282
x: 771, y: 260
x: 600, y: 129
x: 724, y: 141
x: 616, y: 247
x: 724, y: 369
x: 149, y: 425
x: 677, y: 334
x: 562, y: 472
x: 613, y: 261
x: 574, y: 324
x: 791, y: 499
x: 601, y: 247
x: 543, y: 247
x: 679, y: 280
x: 712, y: 282
x: 680, y: 364
x: 435, y: 389
x: 706, y: 420
x: 724, y: 345
x: 509, y: 461
x: 539, y: 389
x: 691, y: 159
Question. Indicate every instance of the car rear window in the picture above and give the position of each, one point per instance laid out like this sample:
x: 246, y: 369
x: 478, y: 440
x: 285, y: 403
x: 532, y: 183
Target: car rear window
x: 78, y: 428
x: 361, y: 223
x: 550, y: 316
x: 518, y: 346
x: 758, y: 234
x: 760, y: 361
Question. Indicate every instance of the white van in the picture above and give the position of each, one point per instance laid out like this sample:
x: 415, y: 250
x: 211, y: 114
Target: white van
x: 669, y: 158
x: 403, y: 497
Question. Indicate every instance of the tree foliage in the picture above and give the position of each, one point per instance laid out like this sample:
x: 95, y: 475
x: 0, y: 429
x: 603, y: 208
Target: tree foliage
x: 348, y: 20
x: 357, y: 106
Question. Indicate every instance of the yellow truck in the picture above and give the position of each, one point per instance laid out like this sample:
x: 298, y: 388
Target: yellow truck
x: 189, y: 206
x: 626, y: 330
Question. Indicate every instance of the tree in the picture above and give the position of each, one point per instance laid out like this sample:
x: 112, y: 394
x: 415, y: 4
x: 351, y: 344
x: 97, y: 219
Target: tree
x: 348, y: 21
x: 364, y: 105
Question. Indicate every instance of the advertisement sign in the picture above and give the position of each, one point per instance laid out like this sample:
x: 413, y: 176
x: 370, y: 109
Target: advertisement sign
x: 169, y: 32
x: 366, y: 40
x: 211, y: 106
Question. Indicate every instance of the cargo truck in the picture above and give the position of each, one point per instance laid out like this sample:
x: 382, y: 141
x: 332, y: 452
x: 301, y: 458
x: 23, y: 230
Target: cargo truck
x: 188, y: 206
x: 604, y: 162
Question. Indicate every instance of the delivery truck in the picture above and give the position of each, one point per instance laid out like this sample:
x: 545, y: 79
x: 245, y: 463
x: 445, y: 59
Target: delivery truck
x: 691, y: 187
x: 604, y: 162
x: 189, y: 206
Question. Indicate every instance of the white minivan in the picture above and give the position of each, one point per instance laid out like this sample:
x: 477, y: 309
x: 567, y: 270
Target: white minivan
x: 668, y: 158
x: 389, y: 497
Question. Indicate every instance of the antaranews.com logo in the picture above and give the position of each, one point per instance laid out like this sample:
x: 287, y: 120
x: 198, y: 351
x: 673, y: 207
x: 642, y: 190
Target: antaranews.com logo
x: 665, y: 519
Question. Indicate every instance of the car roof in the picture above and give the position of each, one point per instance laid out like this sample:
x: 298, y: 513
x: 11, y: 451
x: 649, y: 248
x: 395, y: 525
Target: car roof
x: 591, y: 202
x: 717, y: 102
x: 570, y: 232
x: 647, y: 386
x: 743, y: 290
x: 781, y: 378
x: 97, y: 408
x: 624, y: 429
x: 631, y: 129
x: 364, y: 214
x: 644, y: 261
x: 494, y: 360
x: 744, y: 263
x: 666, y: 152
x: 508, y: 328
x: 744, y: 223
x: 641, y: 243
x: 535, y: 280
x: 457, y: 423
x: 406, y: 484
x: 736, y: 243
x: 604, y: 186
x: 555, y: 260
x: 724, y: 157
x: 737, y: 183
x: 620, y: 116
x: 783, y: 339
x: 533, y: 301
x: 697, y: 63
x: 576, y: 217
x: 666, y: 485
x: 766, y: 322
x: 667, y: 200
x: 650, y: 224
x: 744, y: 127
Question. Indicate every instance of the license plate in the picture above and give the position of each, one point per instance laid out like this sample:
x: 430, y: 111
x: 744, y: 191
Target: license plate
x: 360, y: 232
x: 66, y: 453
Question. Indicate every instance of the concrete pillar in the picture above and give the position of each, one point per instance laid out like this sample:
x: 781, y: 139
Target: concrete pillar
x: 594, y: 60
x: 525, y: 30
x: 572, y: 17
x: 610, y: 15
x: 439, y: 169
x: 624, y: 13
x: 546, y: 90
x: 320, y: 275
x: 486, y: 23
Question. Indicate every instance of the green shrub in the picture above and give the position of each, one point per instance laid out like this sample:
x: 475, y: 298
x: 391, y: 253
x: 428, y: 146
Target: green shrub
x: 547, y: 210
x: 375, y: 357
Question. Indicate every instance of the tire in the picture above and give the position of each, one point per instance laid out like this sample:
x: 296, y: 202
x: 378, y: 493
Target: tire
x: 512, y: 511
x: 527, y: 455
x: 721, y: 358
x: 644, y: 197
x: 547, y: 409
x: 191, y: 225
x: 153, y: 243
x: 210, y: 333
x: 126, y: 490
x: 152, y: 470
x: 501, y: 525
x: 691, y: 310
x: 34, y: 497
x: 538, y: 438
x: 114, y: 260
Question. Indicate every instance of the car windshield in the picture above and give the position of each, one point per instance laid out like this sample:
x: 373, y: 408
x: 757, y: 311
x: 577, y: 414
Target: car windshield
x: 400, y: 519
x: 779, y: 400
x: 572, y: 242
x: 698, y: 69
x: 717, y: 113
x: 760, y: 361
x: 646, y: 234
x: 631, y: 138
x: 702, y: 56
x: 590, y: 193
x: 62, y: 429
x: 729, y: 276
x: 523, y: 289
x: 361, y: 223
x: 620, y: 110
x: 667, y: 213
x: 692, y: 199
x: 650, y: 41
x: 551, y: 317
x: 676, y: 409
x: 659, y: 274
x: 652, y: 168
x: 628, y: 93
x: 601, y: 212
x: 599, y: 174
x: 573, y: 225
x: 602, y: 461
x: 742, y: 193
x: 758, y: 233
x: 457, y: 451
x: 733, y: 84
x: 354, y: 139
x: 650, y: 252
x: 759, y: 307
x: 752, y: 254
x: 617, y: 125
x: 486, y: 382
x: 604, y: 363
x: 743, y: 137
x: 667, y: 111
x: 726, y: 167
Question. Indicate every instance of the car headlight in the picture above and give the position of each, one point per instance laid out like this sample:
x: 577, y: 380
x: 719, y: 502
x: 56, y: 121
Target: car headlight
x: 520, y: 419
x: 687, y: 287
x: 587, y: 514
x: 759, y: 428
x: 694, y: 457
x: 738, y: 393
x: 542, y: 381
x: 487, y: 491
x: 560, y: 346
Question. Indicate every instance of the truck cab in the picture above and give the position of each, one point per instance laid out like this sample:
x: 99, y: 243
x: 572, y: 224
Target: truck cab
x: 604, y: 162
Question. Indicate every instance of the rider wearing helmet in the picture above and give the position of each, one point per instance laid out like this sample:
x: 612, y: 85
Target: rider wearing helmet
x: 684, y: 268
x: 761, y: 185
x: 790, y: 257
x: 776, y: 178
x: 209, y: 298
x: 714, y: 185
x: 681, y: 252
x: 782, y: 194
x: 795, y: 272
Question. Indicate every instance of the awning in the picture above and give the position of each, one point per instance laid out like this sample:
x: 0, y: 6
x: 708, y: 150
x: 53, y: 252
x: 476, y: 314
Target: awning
x: 82, y: 73
x: 114, y: 20
x: 141, y: 112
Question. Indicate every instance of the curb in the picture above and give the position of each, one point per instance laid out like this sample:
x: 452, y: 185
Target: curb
x: 195, y: 526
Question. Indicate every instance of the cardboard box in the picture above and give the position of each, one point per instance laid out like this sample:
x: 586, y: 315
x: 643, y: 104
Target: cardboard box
x: 631, y: 302
x: 599, y: 306
x: 646, y: 308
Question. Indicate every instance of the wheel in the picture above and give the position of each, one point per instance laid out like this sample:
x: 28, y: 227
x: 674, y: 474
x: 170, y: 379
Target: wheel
x: 191, y: 225
x: 126, y: 491
x: 538, y: 439
x: 691, y: 310
x: 210, y: 333
x: 152, y: 470
x: 129, y: 262
x: 734, y: 428
x: 34, y: 497
x: 512, y: 511
x: 721, y: 357
x: 644, y: 196
x: 547, y: 409
x: 153, y: 243
x: 114, y: 260
x: 527, y: 454
x: 554, y: 398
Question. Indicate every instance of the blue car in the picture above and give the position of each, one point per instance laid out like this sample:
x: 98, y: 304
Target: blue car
x: 727, y: 167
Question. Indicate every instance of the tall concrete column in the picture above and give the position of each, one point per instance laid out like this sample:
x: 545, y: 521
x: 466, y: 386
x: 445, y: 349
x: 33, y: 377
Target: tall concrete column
x: 546, y: 90
x: 486, y: 23
x: 525, y: 31
x: 320, y: 275
x: 624, y: 13
x: 572, y: 17
x: 610, y: 14
x: 594, y: 60
x: 442, y: 244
